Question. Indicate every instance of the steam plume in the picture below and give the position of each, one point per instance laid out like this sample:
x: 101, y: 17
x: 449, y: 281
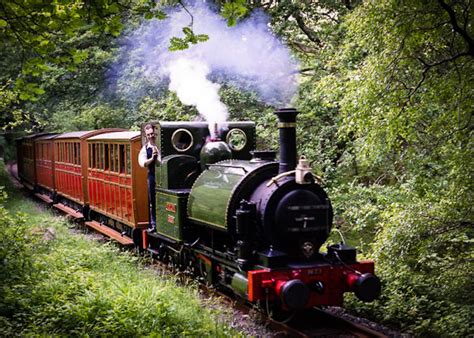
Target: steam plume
x: 248, y: 55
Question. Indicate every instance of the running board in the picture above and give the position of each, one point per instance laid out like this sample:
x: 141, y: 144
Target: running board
x: 124, y: 240
x: 69, y: 211
x: 44, y: 198
x: 27, y: 185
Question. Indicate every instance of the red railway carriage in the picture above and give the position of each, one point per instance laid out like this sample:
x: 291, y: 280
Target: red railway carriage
x: 44, y: 167
x: 71, y: 155
x: 26, y: 159
x: 117, y: 185
x: 68, y: 171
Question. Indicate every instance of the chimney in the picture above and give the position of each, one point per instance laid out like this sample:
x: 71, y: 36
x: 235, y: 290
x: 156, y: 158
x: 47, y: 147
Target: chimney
x: 287, y: 127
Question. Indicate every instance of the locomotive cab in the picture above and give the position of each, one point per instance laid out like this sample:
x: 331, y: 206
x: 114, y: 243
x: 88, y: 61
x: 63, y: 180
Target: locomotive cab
x: 186, y: 150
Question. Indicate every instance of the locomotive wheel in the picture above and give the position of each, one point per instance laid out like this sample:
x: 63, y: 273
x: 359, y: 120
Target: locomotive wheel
x: 205, y: 273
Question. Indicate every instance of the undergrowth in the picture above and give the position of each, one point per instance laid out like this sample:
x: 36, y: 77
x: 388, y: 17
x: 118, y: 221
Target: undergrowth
x: 54, y: 282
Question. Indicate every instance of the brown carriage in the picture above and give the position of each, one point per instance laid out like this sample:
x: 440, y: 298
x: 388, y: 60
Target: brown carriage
x: 117, y: 185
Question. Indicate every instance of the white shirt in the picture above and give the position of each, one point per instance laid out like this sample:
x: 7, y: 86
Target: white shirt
x: 142, y: 158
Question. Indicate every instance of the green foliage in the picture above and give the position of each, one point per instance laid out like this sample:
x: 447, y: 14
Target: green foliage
x: 189, y: 38
x: 57, y: 283
x: 386, y: 100
x: 37, y: 38
x: 234, y: 10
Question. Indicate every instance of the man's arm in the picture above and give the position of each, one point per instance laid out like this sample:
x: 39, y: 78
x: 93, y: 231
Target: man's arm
x: 143, y: 161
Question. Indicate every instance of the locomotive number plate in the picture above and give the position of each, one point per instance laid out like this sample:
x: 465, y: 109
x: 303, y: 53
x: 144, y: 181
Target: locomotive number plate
x: 313, y: 272
x: 171, y: 207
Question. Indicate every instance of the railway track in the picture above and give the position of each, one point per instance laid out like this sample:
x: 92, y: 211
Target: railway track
x: 309, y: 323
x: 320, y: 323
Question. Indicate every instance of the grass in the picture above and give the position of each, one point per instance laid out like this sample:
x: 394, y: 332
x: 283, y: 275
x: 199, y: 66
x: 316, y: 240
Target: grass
x: 56, y: 282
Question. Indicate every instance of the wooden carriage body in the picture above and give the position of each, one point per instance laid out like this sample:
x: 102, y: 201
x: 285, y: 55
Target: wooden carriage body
x: 44, y: 162
x: 71, y: 160
x: 116, y: 184
x: 25, y: 147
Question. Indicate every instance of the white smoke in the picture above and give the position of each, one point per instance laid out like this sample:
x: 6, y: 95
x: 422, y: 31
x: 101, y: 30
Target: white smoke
x: 188, y: 78
x: 248, y: 55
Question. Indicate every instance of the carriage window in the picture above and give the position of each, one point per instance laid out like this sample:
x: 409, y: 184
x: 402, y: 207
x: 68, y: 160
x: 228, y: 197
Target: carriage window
x: 74, y: 153
x: 122, y: 158
x: 127, y: 157
x: 98, y: 153
x: 96, y: 160
x: 90, y: 160
x: 105, y: 155
x: 101, y: 156
x: 93, y: 157
x: 113, y: 151
x: 78, y: 153
x: 116, y: 158
x: 111, y: 157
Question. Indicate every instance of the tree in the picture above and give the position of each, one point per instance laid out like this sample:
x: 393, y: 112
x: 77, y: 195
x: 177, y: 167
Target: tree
x: 404, y: 84
x: 38, y: 36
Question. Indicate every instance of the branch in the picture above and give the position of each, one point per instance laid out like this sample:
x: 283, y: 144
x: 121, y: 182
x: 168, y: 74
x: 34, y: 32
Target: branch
x: 308, y: 32
x: 192, y: 18
x: 302, y: 47
x: 305, y: 70
x: 456, y: 28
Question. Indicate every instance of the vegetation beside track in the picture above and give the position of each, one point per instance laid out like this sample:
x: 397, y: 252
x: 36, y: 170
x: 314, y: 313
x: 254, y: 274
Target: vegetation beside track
x: 53, y: 281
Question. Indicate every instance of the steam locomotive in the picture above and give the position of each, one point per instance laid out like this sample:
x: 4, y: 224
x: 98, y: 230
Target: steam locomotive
x: 231, y: 216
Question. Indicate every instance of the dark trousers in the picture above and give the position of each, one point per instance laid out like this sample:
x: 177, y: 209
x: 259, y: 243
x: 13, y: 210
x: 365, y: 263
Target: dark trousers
x: 152, y: 201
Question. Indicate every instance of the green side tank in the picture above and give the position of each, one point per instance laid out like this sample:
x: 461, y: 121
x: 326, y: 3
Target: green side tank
x: 218, y: 191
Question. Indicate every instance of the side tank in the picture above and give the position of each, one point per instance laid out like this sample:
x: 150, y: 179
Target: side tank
x: 217, y: 192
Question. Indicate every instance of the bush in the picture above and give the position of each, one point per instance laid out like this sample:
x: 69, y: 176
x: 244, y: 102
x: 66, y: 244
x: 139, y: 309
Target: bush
x: 57, y: 283
x: 423, y: 259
